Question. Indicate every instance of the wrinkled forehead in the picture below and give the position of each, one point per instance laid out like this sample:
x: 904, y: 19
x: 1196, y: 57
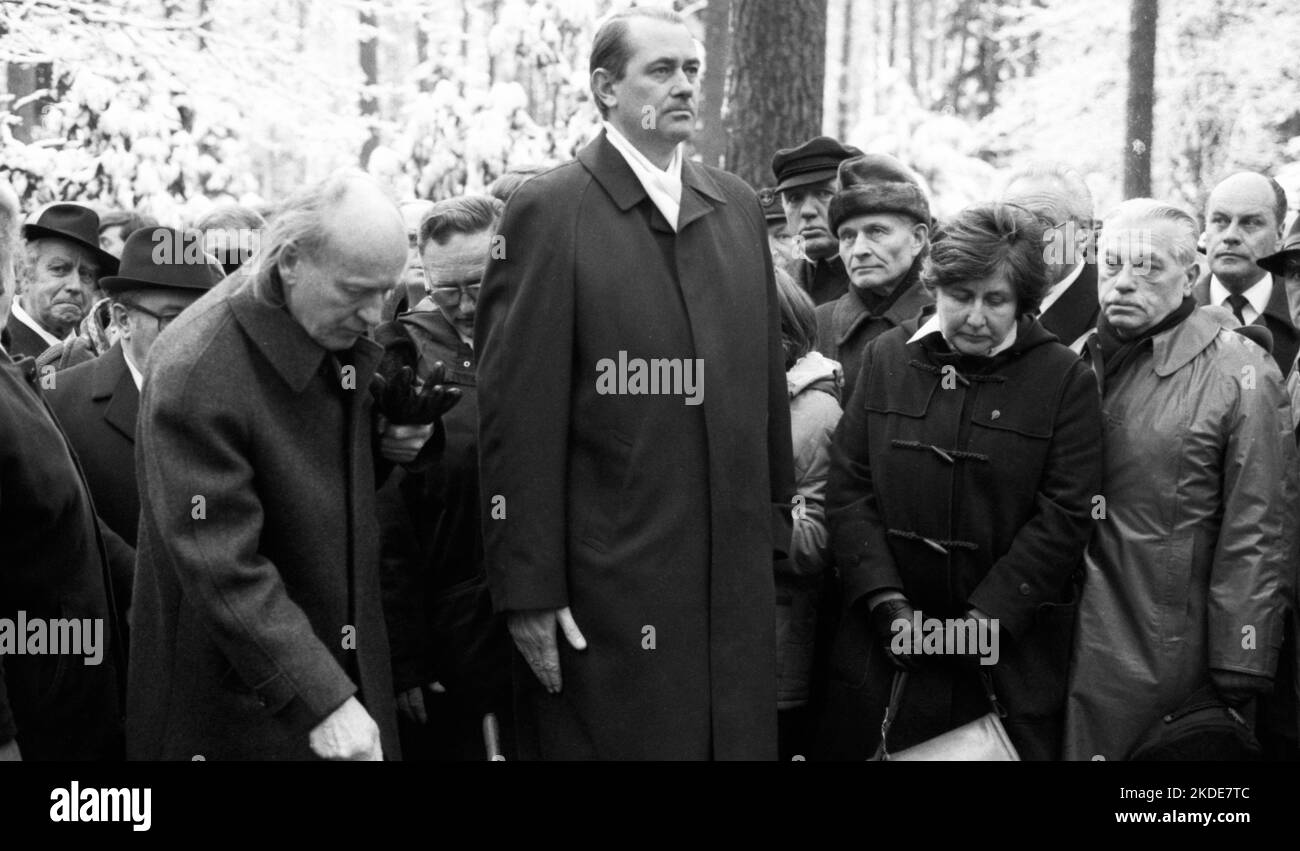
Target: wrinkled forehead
x: 52, y: 248
x: 1142, y: 237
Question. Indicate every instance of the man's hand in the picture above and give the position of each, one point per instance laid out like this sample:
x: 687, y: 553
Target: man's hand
x: 402, y: 443
x: 410, y: 703
x: 9, y: 752
x: 348, y: 733
x: 534, y: 635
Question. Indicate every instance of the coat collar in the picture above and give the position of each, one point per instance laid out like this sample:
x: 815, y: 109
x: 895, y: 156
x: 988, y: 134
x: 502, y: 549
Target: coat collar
x: 1177, y: 347
x: 286, y: 345
x: 1277, y: 308
x: 112, y: 381
x: 611, y: 171
x: 850, y: 312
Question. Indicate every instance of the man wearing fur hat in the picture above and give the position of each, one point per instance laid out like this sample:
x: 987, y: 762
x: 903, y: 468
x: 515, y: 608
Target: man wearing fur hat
x: 881, y: 218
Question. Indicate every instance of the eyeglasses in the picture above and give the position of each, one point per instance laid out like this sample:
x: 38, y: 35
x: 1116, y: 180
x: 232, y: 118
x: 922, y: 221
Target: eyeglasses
x: 163, y: 319
x: 451, y: 296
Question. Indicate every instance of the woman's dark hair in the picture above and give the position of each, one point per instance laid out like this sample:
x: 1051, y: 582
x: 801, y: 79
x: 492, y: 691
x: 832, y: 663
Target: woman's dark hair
x: 988, y: 240
x: 798, y: 318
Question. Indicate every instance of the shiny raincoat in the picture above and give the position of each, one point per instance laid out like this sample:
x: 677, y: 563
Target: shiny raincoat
x: 1191, y: 566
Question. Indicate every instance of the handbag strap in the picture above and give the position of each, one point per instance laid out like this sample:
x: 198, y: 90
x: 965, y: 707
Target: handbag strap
x: 899, y: 684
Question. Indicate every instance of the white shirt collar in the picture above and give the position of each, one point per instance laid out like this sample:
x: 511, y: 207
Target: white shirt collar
x: 1058, y: 289
x: 1257, y: 296
x: 664, y: 186
x: 25, y: 318
x: 932, y: 326
x: 132, y: 368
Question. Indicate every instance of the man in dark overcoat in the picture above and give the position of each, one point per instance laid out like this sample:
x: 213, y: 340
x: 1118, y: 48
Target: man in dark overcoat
x: 53, y: 705
x: 257, y: 627
x: 634, y: 431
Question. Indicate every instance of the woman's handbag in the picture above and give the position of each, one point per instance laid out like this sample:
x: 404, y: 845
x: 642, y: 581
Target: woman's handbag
x: 1203, y: 728
x: 982, y: 740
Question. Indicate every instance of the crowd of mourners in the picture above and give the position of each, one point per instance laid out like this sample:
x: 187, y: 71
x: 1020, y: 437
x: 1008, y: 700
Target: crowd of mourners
x: 628, y: 459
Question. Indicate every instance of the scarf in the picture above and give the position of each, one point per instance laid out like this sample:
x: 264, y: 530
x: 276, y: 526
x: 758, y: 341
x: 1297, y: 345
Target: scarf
x: 1117, y: 353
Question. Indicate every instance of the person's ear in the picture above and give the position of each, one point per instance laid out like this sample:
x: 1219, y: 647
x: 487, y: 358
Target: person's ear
x: 1193, y: 273
x: 289, y: 265
x: 920, y: 233
x: 602, y: 85
x: 119, y: 315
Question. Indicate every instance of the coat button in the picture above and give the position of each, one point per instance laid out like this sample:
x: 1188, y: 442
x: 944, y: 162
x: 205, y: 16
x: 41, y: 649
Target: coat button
x: 995, y: 415
x: 467, y: 363
x: 1024, y: 588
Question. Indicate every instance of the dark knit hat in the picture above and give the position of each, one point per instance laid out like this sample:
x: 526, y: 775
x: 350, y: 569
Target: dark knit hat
x: 877, y: 183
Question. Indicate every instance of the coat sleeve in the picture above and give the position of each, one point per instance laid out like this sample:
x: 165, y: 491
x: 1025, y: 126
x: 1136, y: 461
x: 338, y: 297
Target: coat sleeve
x: 780, y: 449
x: 1254, y: 560
x: 810, y: 543
x: 194, y: 442
x: 524, y: 332
x: 1049, y: 547
x: 857, y: 530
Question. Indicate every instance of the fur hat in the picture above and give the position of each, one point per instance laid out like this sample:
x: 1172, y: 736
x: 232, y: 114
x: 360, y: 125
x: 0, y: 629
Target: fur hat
x: 877, y: 183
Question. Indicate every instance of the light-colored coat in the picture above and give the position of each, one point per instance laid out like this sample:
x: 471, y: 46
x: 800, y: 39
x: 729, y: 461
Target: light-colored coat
x: 1192, y: 564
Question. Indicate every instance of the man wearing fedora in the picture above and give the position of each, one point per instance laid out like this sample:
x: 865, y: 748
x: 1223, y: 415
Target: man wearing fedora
x: 881, y: 218
x: 96, y: 401
x: 58, y: 267
x: 807, y: 178
x: 55, y: 566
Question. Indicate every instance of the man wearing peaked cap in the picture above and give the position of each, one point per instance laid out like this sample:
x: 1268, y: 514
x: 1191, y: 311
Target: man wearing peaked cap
x: 807, y: 178
x: 881, y: 219
x: 58, y: 267
x: 97, y: 401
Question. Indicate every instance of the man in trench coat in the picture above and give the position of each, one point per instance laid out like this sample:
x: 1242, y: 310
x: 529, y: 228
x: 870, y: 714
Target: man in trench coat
x: 640, y: 518
x: 257, y: 627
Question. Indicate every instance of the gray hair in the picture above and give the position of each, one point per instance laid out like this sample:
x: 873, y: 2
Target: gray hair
x: 1152, y: 210
x: 1072, y: 200
x: 299, y: 226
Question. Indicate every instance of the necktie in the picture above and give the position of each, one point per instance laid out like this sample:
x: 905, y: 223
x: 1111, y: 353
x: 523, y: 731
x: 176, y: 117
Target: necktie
x: 1238, y: 301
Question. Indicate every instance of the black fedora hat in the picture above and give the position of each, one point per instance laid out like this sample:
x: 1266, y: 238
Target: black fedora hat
x: 74, y: 222
x: 1276, y: 262
x: 164, y: 258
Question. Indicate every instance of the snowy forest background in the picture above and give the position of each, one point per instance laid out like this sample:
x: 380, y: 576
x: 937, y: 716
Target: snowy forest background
x: 171, y: 106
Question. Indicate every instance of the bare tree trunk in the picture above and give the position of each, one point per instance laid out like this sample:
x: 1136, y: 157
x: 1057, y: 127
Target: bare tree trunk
x: 893, y: 29
x: 711, y: 140
x: 369, y: 58
x: 1141, y: 98
x: 848, y: 69
x: 911, y: 45
x: 777, y: 81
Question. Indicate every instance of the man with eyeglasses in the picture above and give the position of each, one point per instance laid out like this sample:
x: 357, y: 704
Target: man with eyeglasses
x: 96, y: 401
x: 451, y: 655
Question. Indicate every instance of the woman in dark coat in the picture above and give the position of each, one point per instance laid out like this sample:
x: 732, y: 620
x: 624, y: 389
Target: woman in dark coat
x: 962, y: 486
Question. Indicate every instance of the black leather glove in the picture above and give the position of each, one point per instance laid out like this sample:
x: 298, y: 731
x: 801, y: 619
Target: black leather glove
x: 882, y: 618
x: 1236, y: 688
x: 397, y: 399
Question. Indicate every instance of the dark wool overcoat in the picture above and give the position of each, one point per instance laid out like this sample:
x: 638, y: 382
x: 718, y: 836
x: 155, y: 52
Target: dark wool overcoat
x: 962, y: 482
x: 257, y: 607
x: 654, y: 520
